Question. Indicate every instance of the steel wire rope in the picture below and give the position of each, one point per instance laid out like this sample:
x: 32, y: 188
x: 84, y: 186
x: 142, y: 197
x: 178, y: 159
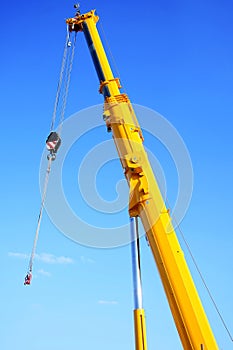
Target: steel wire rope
x: 67, y: 68
x: 40, y: 214
x: 67, y: 84
x: 110, y: 53
x: 197, y: 268
x: 201, y: 276
x: 59, y: 86
x: 177, y: 224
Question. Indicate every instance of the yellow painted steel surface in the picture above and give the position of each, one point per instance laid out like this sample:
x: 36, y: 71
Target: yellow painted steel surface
x: 140, y: 329
x: 145, y: 200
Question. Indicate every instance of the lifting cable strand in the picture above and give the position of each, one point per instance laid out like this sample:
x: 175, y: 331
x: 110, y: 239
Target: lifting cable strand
x: 59, y: 86
x: 27, y: 280
x: 67, y: 69
x: 204, y: 283
x: 67, y: 84
x: 110, y: 53
x: 40, y: 214
x: 202, y: 278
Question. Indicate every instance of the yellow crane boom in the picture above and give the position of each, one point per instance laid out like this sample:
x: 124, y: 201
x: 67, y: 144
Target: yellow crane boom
x: 145, y: 199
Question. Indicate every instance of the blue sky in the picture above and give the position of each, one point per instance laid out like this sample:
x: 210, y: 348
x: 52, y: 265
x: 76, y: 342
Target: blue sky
x: 173, y: 57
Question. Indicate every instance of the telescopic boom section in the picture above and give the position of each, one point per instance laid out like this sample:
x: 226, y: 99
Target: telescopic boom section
x: 145, y: 199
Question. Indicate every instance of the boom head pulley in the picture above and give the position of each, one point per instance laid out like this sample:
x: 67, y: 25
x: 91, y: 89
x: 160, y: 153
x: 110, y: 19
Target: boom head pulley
x: 77, y: 7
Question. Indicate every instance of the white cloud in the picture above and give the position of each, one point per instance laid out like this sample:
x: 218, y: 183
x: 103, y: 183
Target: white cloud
x: 44, y: 273
x: 108, y: 302
x: 44, y: 257
x: 52, y: 259
x: 85, y: 260
x: 19, y: 255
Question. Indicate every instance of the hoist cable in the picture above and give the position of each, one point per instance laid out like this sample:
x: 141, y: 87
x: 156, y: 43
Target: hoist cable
x: 67, y: 84
x: 202, y: 277
x: 204, y: 283
x: 40, y: 214
x: 64, y: 80
x: 110, y: 53
x: 59, y: 86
